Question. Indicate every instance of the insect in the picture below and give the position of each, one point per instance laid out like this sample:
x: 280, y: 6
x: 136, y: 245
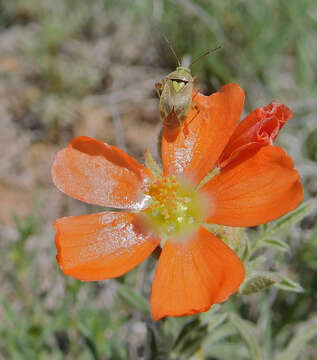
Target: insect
x: 176, y: 94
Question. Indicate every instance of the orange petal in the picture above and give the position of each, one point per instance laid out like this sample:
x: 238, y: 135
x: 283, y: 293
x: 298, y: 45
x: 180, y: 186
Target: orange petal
x: 195, y: 149
x: 193, y: 275
x: 101, y: 246
x: 261, y: 127
x: 255, y: 191
x: 92, y: 171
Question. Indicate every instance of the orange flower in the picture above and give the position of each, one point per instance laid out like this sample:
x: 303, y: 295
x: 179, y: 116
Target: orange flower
x: 254, y: 182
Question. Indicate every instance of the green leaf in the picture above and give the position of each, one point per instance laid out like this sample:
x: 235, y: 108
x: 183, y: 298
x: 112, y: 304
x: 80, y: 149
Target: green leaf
x: 217, y: 329
x: 190, y: 337
x: 278, y: 244
x: 91, y: 345
x: 151, y: 164
x: 246, y: 253
x: 288, y: 285
x: 155, y: 342
x: 304, y: 334
x: 290, y: 219
x: 225, y: 351
x: 215, y: 321
x: 257, y: 282
x: 133, y: 299
x: 188, y: 327
x: 253, y: 265
x: 247, y: 331
x: 222, y: 332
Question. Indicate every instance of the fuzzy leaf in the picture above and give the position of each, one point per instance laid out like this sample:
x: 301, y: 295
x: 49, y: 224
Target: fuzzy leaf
x: 215, y: 321
x: 222, y: 332
x: 304, y: 334
x: 155, y: 342
x: 257, y: 282
x: 133, y: 299
x: 253, y: 265
x: 247, y: 331
x: 246, y: 252
x: 290, y: 219
x: 187, y: 328
x: 224, y: 351
x: 151, y: 164
x: 190, y: 337
x: 288, y: 285
x: 278, y: 244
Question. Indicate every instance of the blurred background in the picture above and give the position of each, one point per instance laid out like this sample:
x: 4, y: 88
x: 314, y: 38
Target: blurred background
x: 72, y: 67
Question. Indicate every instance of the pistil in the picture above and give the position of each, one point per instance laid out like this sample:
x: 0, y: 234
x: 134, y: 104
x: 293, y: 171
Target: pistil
x: 174, y: 208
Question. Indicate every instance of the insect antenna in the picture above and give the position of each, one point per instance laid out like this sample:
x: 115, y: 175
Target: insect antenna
x: 172, y: 50
x: 205, y: 54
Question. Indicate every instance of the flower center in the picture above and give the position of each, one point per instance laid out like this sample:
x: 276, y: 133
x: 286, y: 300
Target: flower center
x: 174, y: 208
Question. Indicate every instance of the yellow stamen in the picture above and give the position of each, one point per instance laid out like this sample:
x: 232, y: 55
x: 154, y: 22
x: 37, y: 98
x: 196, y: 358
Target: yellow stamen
x: 174, y: 208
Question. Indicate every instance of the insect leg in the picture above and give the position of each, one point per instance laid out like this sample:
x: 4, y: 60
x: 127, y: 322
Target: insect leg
x: 158, y: 88
x: 159, y: 144
x: 195, y: 94
x: 196, y: 107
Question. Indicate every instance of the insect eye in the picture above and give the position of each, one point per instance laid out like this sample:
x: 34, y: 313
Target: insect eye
x: 180, y: 81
